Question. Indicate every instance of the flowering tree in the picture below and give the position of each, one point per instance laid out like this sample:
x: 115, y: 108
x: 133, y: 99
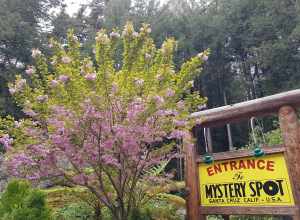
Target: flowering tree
x: 101, y: 123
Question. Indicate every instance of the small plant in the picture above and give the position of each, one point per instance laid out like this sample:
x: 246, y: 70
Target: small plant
x: 21, y: 202
x: 79, y: 211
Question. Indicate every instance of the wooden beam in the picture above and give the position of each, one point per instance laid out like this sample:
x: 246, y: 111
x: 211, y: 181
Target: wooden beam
x: 290, y: 127
x: 245, y: 210
x: 191, y: 180
x: 243, y: 153
x: 245, y: 110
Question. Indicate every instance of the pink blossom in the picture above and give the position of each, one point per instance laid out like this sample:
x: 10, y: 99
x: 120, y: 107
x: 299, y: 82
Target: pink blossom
x: 54, y: 83
x: 42, y: 98
x: 158, y: 100
x: 110, y: 160
x: 66, y: 59
x: 89, y: 64
x: 114, y: 88
x: 177, y: 134
x: 203, y: 56
x: 180, y: 123
x: 30, y: 112
x: 135, y: 34
x: 30, y: 70
x: 91, y: 76
x: 180, y: 104
x: 159, y: 77
x: 64, y: 78
x: 80, y: 179
x: 114, y: 35
x: 18, y: 124
x: 12, y: 90
x: 170, y: 92
x: 108, y: 144
x: 6, y: 141
x: 122, y: 138
x: 148, y: 56
x: 20, y: 84
x: 167, y: 112
x: 35, y: 53
x: 102, y: 38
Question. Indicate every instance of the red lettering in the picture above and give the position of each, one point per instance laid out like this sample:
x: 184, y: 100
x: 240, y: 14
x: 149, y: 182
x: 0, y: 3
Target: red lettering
x: 225, y: 165
x: 210, y: 171
x: 217, y: 168
x: 233, y: 165
x: 260, y: 164
x: 270, y: 165
x: 251, y: 164
x: 242, y: 165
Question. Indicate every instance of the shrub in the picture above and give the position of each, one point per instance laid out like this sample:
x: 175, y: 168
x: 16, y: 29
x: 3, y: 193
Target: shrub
x: 79, y: 211
x: 21, y: 202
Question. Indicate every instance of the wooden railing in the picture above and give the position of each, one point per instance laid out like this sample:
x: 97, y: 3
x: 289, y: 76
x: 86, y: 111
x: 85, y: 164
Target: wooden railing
x: 284, y: 105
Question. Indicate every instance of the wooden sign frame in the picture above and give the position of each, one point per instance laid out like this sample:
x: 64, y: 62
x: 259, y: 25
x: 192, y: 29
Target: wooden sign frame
x: 284, y: 105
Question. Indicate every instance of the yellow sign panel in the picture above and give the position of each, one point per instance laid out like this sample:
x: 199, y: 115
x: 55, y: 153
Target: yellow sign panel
x: 248, y: 181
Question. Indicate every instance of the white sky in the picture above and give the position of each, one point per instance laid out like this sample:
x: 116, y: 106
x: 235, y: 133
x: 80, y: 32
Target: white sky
x: 74, y: 5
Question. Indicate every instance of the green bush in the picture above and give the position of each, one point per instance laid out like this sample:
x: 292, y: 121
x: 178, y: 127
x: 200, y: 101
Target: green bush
x: 21, y: 202
x: 140, y: 215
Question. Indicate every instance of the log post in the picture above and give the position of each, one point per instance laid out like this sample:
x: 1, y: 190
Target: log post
x: 192, y: 180
x: 290, y: 127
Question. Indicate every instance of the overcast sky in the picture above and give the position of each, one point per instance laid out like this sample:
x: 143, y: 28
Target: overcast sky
x: 73, y: 5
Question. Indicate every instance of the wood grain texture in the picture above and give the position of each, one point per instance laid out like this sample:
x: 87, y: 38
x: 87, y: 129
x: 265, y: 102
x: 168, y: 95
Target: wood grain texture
x: 245, y: 110
x: 243, y: 153
x: 289, y: 126
x: 192, y: 180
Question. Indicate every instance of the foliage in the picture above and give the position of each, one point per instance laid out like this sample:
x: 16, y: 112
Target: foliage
x: 103, y: 124
x: 21, y: 202
x: 254, y: 44
x: 21, y: 28
x: 59, y: 197
x: 78, y: 211
x: 269, y: 138
x: 274, y: 137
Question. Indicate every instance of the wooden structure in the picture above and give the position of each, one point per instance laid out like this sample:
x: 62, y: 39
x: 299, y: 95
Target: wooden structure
x: 284, y: 105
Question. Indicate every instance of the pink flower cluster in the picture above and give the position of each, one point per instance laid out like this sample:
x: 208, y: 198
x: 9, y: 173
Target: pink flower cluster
x: 30, y: 70
x: 118, y: 142
x: 6, y: 141
x: 103, y: 138
x: 18, y: 87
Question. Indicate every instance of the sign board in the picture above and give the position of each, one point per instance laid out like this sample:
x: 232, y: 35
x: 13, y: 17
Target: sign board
x: 247, y: 181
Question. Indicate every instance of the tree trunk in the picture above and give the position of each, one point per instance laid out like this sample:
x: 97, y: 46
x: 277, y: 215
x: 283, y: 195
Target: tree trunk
x: 98, y: 213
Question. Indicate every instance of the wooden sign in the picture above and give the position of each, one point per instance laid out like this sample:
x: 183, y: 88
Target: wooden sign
x: 237, y: 183
x: 247, y: 181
